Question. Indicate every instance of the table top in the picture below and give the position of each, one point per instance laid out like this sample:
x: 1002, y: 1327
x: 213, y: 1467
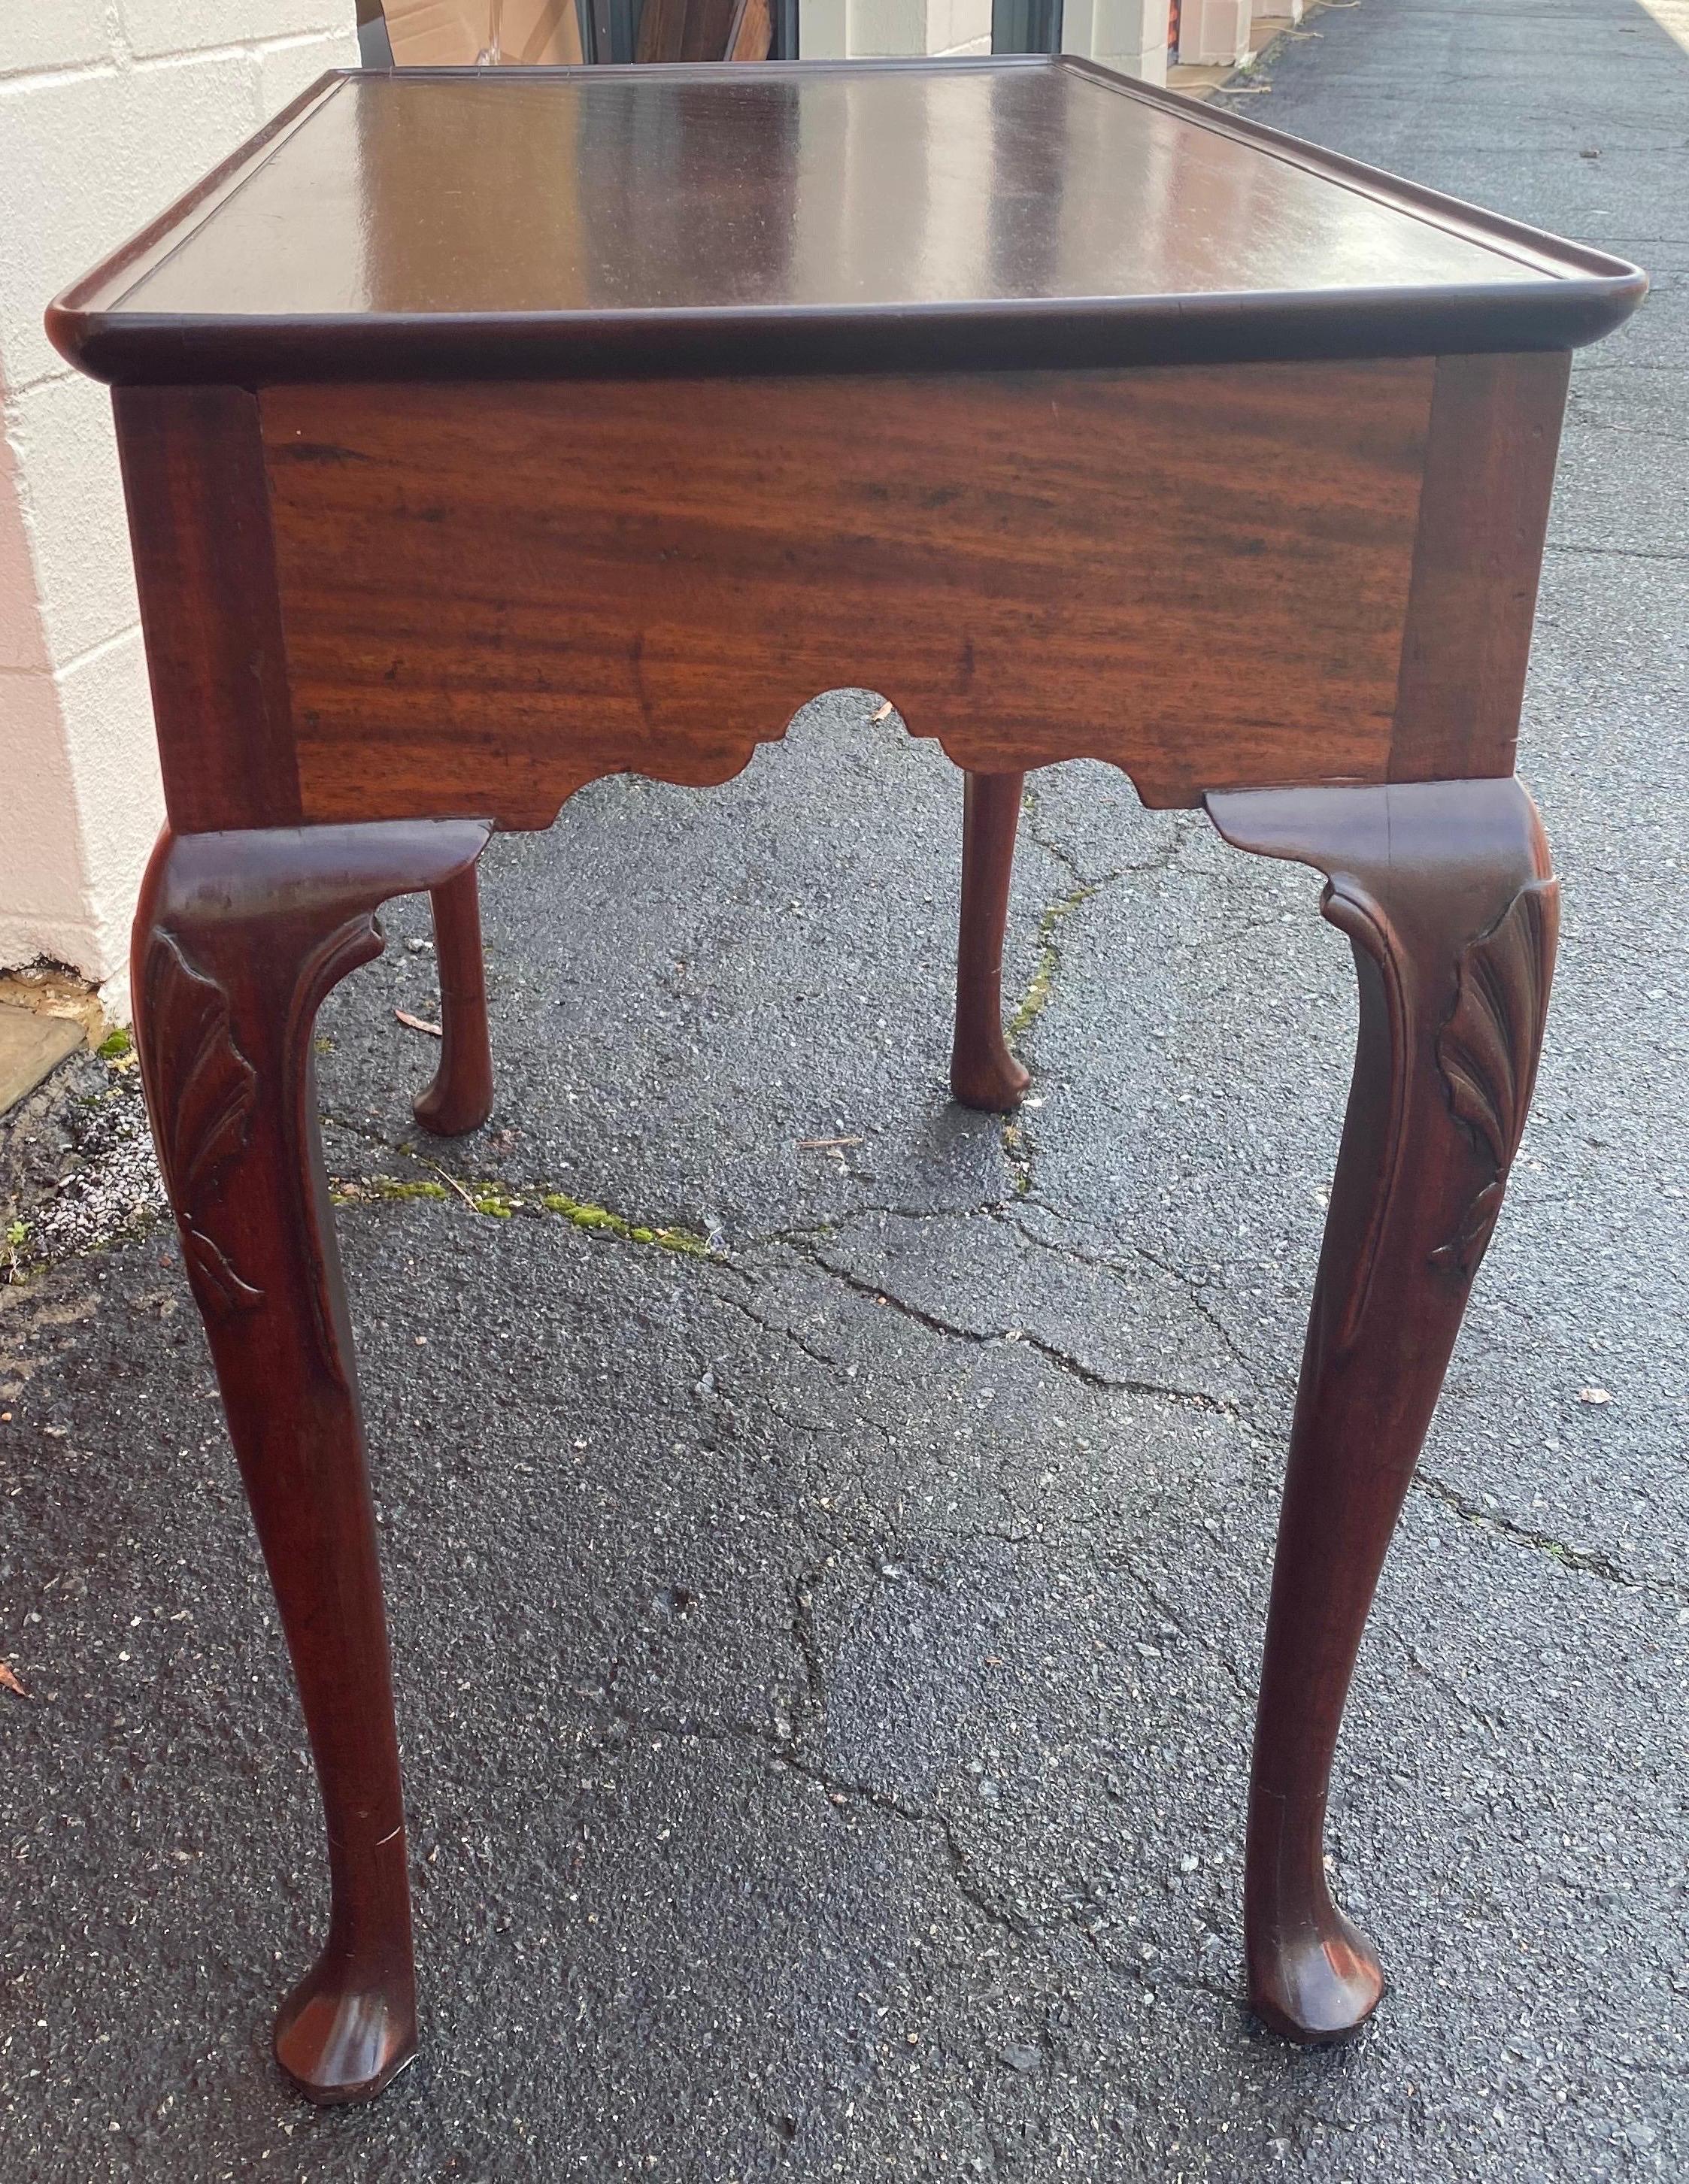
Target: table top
x: 830, y: 215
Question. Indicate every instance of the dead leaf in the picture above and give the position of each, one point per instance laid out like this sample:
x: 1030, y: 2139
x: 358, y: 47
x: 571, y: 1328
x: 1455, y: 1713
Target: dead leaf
x: 8, y: 1682
x: 418, y: 1023
x: 884, y: 712
x: 825, y: 1144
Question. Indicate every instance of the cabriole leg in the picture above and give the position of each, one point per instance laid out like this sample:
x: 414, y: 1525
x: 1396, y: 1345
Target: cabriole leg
x: 983, y: 1073
x: 460, y: 1096
x: 1444, y: 891
x: 238, y: 939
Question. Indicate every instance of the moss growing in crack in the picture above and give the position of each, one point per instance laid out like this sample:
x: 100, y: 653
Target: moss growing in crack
x: 499, y: 1201
x: 115, y: 1044
x: 367, y: 1188
x: 600, y: 1217
x: 1036, y: 998
x: 1017, y: 1149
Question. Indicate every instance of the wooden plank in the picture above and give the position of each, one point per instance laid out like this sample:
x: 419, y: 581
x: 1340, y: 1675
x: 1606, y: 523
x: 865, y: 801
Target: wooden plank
x: 193, y: 476
x: 1483, y: 517
x: 493, y: 595
x: 752, y: 35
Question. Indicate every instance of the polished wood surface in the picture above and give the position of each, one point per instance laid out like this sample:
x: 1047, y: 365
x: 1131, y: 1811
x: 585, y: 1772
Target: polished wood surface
x: 831, y: 216
x: 459, y: 1097
x: 1483, y: 517
x: 1257, y: 514
x: 1444, y: 891
x: 193, y: 477
x: 493, y: 595
x: 238, y: 939
x: 983, y: 1073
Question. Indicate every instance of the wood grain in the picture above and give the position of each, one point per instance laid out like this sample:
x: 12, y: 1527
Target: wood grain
x: 237, y: 938
x: 983, y: 1073
x: 193, y: 476
x: 1483, y: 517
x: 752, y: 35
x: 1447, y: 896
x: 493, y: 595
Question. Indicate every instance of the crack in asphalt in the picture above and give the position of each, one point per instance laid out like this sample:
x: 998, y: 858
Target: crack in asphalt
x: 1090, y: 1375
x: 1054, y: 1938
x: 1160, y: 859
x: 802, y: 1241
x: 1491, y: 1724
x: 804, y: 1245
x: 1048, y: 1936
x: 1616, y: 553
x: 840, y: 1789
x: 801, y: 1244
x: 1595, y: 1561
x: 1122, y: 1271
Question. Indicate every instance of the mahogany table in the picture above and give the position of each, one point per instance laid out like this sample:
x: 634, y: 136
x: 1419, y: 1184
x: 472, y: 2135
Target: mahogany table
x: 484, y: 433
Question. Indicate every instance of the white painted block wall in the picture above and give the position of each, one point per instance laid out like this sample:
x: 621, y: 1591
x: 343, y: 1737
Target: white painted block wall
x: 1127, y: 34
x: 108, y: 110
x: 1213, y: 32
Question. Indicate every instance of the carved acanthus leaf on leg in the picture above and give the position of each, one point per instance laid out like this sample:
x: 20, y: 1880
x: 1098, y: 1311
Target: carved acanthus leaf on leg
x: 1487, y: 1051
x: 203, y: 1113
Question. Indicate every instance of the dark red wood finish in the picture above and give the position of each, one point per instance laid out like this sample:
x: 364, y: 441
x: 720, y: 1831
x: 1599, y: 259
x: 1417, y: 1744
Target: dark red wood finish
x: 238, y: 939
x: 198, y: 497
x: 459, y: 1098
x: 983, y: 1073
x: 1445, y: 892
x: 356, y: 622
x: 1495, y: 430
x: 785, y: 222
x: 1031, y: 566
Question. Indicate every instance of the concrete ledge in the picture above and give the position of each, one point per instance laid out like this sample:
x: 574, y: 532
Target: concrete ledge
x: 31, y: 1047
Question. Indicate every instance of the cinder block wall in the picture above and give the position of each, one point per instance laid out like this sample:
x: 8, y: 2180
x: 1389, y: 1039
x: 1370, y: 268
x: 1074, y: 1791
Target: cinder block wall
x: 1217, y: 30
x: 108, y: 109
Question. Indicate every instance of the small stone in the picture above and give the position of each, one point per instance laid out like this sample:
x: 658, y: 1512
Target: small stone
x: 1189, y: 1863
x: 1593, y: 1396
x: 1021, y: 2057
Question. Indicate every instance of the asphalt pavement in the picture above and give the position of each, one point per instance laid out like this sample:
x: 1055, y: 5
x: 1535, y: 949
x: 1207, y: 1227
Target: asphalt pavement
x: 826, y: 1631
